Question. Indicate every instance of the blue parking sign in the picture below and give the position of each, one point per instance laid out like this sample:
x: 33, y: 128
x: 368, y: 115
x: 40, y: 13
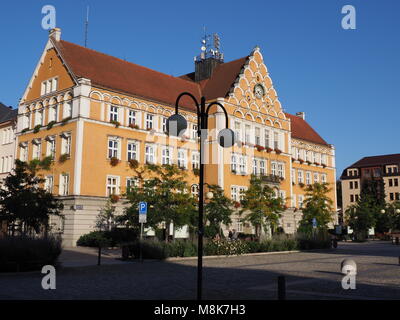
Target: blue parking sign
x: 142, y: 212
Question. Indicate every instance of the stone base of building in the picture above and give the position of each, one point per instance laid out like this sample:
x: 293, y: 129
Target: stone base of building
x: 80, y: 214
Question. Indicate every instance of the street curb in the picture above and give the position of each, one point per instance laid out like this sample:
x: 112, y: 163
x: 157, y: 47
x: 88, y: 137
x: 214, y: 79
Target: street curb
x: 232, y: 256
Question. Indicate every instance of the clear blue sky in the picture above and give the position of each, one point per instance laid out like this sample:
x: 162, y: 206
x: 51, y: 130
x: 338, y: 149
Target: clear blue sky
x: 347, y: 81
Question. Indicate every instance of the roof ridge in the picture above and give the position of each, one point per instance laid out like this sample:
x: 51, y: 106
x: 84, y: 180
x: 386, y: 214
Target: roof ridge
x: 124, y: 61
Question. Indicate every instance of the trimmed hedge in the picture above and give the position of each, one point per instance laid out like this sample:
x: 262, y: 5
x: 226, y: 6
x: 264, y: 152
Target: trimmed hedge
x: 27, y: 254
x: 154, y: 249
x: 111, y: 238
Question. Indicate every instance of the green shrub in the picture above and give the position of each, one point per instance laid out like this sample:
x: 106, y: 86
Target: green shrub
x: 111, y: 238
x: 320, y: 240
x: 150, y: 250
x: 26, y: 254
x: 93, y: 239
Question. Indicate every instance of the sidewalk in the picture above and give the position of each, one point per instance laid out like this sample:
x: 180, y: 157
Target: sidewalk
x: 84, y: 256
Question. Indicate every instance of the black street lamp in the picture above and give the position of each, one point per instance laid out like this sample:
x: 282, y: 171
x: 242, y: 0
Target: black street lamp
x: 176, y: 124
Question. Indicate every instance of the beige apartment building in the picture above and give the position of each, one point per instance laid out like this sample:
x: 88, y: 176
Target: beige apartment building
x: 8, y: 119
x: 375, y: 167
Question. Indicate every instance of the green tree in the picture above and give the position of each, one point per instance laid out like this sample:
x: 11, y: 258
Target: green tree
x: 218, y: 210
x: 107, y: 219
x: 261, y: 206
x: 165, y: 190
x: 24, y: 200
x: 317, y: 204
x: 361, y: 216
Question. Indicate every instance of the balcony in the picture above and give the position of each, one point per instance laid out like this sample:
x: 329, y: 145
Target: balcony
x: 271, y: 179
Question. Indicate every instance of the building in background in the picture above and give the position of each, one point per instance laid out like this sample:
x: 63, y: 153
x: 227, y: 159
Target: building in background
x: 385, y: 167
x: 86, y: 109
x: 8, y: 121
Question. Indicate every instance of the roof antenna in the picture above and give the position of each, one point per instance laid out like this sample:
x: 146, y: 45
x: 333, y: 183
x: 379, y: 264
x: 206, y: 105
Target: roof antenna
x: 86, y: 25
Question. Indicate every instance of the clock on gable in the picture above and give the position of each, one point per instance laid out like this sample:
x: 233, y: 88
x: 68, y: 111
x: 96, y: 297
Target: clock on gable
x: 259, y: 90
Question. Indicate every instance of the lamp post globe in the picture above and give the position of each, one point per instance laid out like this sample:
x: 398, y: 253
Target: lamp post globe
x: 176, y: 124
x: 397, y: 210
x: 209, y: 195
x: 383, y: 211
x: 226, y: 138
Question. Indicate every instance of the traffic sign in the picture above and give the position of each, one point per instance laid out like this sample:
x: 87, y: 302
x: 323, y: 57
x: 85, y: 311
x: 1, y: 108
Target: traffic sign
x: 314, y: 223
x: 142, y: 212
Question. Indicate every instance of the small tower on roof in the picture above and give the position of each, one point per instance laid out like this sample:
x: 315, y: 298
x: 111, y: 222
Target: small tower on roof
x: 209, y: 57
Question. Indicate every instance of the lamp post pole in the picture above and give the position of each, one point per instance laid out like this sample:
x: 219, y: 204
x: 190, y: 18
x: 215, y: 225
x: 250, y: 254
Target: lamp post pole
x: 225, y: 139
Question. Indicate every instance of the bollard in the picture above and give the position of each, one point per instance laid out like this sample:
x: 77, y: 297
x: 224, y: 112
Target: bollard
x: 99, y: 256
x: 281, y: 288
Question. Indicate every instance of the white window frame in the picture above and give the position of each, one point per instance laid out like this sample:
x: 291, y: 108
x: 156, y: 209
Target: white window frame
x: 113, y: 115
x: 195, y: 160
x: 166, y: 155
x: 132, y: 154
x: 149, y: 121
x: 150, y: 157
x: 64, y: 184
x: 182, y: 158
x: 132, y: 117
x: 113, y: 149
x: 109, y: 185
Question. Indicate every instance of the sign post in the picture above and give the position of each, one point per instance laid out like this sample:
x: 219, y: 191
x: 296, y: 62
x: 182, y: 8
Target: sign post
x: 142, y: 219
x: 314, y: 224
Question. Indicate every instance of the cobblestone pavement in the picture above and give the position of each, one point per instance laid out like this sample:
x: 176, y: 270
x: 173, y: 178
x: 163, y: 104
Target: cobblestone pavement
x: 309, y: 275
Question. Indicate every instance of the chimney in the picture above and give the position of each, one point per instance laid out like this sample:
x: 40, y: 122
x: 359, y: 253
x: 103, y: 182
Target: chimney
x: 301, y: 115
x: 55, y: 34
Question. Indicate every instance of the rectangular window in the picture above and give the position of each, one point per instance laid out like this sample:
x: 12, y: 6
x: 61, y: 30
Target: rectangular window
x: 66, y: 144
x: 247, y: 134
x: 166, y: 155
x: 390, y: 183
x: 51, y: 147
x: 262, y: 167
x: 237, y: 131
x: 308, y: 177
x: 112, y: 185
x: 234, y: 163
x: 355, y: 184
x: 323, y: 159
x: 351, y: 198
x: 149, y: 121
x: 112, y: 148
x: 36, y: 150
x: 281, y: 170
x: 267, y: 138
x: 396, y: 182
x: 195, y: 160
x: 255, y: 170
x: 48, y: 184
x: 356, y: 198
x: 164, y: 124
x: 194, y: 131
x: 316, y: 177
x: 397, y: 196
x: 132, y: 150
x: 150, y: 154
x: 298, y: 153
x: 113, y: 113
x: 234, y: 193
x: 274, y: 170
x: 276, y: 140
x: 300, y: 176
x: 23, y: 152
x: 242, y: 191
x: 130, y: 183
x: 301, y: 200
x: 64, y: 184
x: 257, y: 136
x: 131, y: 117
x: 182, y: 161
x: 242, y: 165
x: 323, y: 178
x: 391, y: 195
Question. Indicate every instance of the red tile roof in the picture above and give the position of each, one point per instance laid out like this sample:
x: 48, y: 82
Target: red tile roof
x: 302, y: 130
x: 112, y: 73
x: 377, y: 161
